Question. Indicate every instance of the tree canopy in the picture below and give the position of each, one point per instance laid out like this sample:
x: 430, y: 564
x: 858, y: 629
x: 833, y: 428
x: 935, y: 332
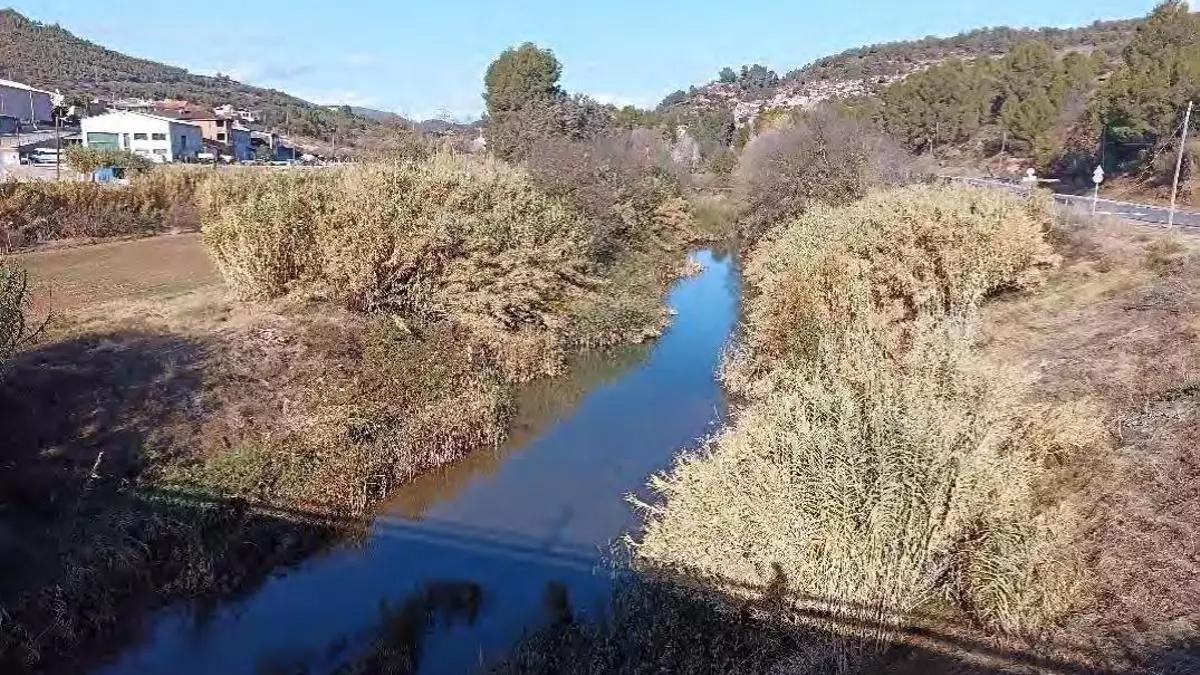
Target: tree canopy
x: 1159, y: 73
x: 520, y: 76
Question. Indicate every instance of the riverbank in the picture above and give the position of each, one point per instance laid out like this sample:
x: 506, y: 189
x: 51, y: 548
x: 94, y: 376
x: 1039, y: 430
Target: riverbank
x: 1064, y: 395
x: 176, y: 413
x: 459, y: 563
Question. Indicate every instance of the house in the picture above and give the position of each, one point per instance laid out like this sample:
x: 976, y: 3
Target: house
x: 159, y: 138
x: 278, y: 148
x: 247, y: 116
x: 25, y: 103
x: 225, y: 132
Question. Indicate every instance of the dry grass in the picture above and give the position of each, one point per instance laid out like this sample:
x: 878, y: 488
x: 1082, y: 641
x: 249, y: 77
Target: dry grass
x: 884, y: 261
x: 878, y: 470
x: 471, y: 241
x: 35, y: 212
x: 1119, y: 326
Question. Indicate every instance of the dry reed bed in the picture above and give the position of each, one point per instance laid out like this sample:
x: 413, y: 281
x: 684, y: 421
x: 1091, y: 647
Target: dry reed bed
x: 37, y: 212
x: 418, y: 294
x: 878, y: 469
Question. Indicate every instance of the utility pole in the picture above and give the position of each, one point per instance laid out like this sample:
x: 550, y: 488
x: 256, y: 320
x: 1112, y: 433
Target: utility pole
x: 57, y: 145
x: 1187, y: 122
x: 287, y: 125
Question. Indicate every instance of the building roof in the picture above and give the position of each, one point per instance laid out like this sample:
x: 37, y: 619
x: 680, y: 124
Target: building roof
x: 17, y: 85
x: 161, y: 118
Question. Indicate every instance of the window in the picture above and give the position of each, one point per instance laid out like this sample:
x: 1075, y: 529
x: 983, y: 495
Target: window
x: 158, y: 137
x: 139, y: 137
x: 220, y: 137
x: 183, y: 142
x: 160, y: 151
x: 102, y: 140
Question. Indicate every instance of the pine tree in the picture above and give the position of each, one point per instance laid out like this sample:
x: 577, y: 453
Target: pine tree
x: 521, y: 76
x: 1159, y: 73
x: 1033, y: 90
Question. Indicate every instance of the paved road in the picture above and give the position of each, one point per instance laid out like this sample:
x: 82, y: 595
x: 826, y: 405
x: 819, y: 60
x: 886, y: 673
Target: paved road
x: 1145, y: 213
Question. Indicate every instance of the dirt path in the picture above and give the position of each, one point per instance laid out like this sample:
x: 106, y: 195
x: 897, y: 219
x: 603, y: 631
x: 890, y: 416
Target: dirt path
x: 157, y: 267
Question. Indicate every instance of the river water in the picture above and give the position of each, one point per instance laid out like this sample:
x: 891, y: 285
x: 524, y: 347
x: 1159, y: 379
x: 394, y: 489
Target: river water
x: 459, y: 564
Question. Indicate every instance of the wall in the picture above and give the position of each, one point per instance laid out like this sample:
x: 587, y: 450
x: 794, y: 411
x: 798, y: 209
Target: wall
x: 15, y: 101
x: 156, y: 138
x: 186, y: 141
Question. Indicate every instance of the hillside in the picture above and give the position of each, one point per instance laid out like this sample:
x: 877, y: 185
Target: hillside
x: 50, y: 57
x: 866, y: 70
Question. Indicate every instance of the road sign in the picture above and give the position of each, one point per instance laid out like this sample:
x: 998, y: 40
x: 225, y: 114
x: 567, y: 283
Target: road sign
x: 1098, y: 175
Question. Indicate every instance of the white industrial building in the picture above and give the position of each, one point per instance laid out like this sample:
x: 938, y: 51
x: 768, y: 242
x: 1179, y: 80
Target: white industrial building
x: 160, y: 139
x: 25, y: 103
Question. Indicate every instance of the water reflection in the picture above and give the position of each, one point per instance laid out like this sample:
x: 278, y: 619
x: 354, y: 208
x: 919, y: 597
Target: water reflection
x: 539, y: 404
x: 465, y: 560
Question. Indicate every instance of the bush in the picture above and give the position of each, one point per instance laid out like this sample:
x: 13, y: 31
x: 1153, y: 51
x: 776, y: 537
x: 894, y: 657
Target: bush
x: 857, y: 483
x: 15, y: 330
x: 88, y: 160
x: 623, y: 183
x: 825, y: 158
x: 35, y: 212
x: 895, y: 256
x: 466, y: 238
x: 877, y: 466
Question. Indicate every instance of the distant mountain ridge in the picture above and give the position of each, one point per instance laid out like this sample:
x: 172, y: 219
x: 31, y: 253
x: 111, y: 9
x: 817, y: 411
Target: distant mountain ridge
x: 866, y: 70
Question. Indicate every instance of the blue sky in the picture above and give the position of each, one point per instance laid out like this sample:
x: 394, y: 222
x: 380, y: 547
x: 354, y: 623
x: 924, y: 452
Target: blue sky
x: 427, y: 58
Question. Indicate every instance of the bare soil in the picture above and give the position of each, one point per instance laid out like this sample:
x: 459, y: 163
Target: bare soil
x: 154, y: 268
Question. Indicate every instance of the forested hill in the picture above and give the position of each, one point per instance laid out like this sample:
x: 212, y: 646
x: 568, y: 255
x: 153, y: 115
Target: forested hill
x: 866, y: 70
x: 50, y: 57
x: 895, y: 58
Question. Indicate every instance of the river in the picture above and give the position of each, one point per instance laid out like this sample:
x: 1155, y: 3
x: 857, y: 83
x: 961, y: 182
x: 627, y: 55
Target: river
x: 462, y: 562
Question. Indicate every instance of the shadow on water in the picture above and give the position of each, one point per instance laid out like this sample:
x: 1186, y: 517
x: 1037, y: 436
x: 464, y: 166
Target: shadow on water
x: 463, y: 562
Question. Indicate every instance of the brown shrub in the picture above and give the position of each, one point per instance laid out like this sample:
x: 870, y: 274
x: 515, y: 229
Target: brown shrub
x: 878, y: 469
x: 1168, y: 254
x: 450, y: 237
x: 16, y: 329
x: 623, y: 183
x: 465, y: 239
x: 824, y: 159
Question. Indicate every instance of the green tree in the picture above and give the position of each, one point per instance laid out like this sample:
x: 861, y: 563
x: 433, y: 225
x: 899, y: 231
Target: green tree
x: 88, y: 160
x: 727, y: 75
x: 520, y: 76
x: 944, y: 104
x: 1159, y: 72
x: 757, y: 78
x: 673, y: 99
x: 1033, y: 90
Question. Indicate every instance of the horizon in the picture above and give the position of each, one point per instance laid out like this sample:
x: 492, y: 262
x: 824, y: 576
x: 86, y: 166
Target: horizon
x: 364, y: 67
